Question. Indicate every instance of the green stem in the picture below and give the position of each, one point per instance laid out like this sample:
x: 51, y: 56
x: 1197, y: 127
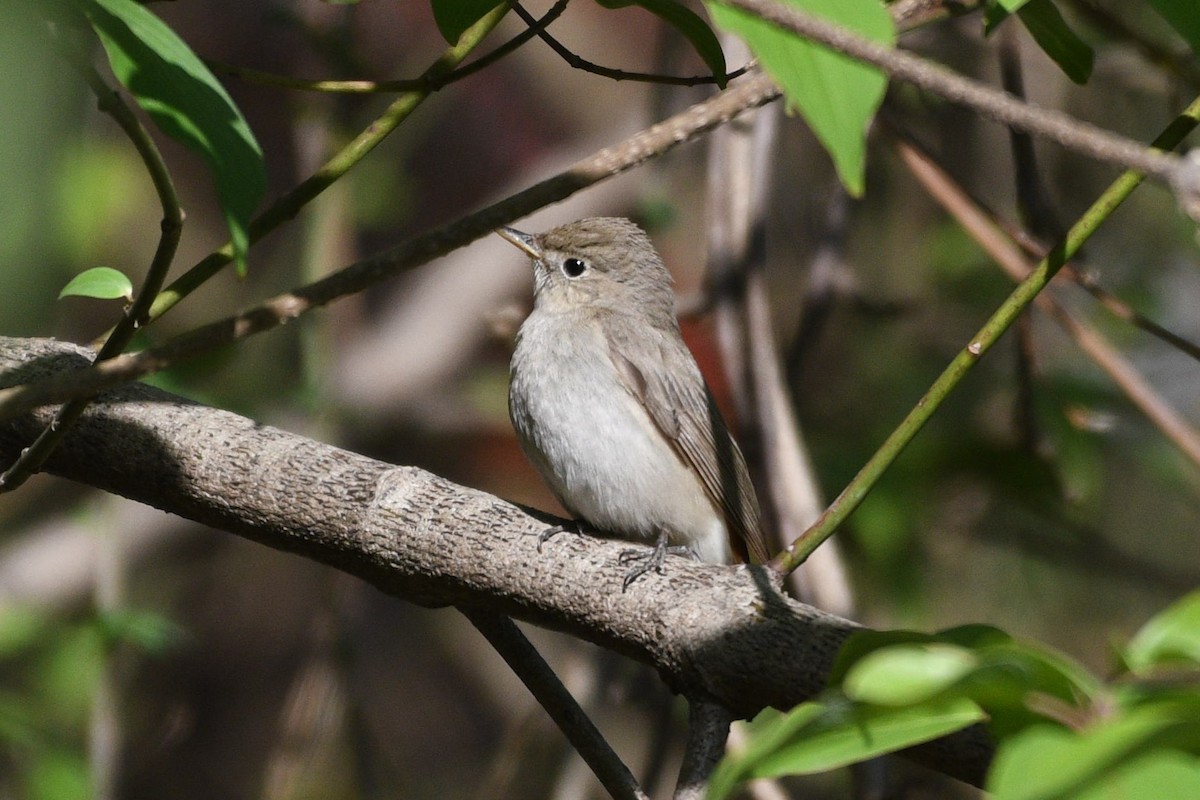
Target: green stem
x: 291, y: 203
x: 111, y: 102
x: 850, y: 498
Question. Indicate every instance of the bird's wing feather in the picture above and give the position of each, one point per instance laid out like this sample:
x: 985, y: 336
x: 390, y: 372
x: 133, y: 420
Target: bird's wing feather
x: 683, y: 410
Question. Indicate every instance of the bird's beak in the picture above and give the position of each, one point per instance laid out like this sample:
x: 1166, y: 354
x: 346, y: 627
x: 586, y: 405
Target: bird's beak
x: 522, y: 240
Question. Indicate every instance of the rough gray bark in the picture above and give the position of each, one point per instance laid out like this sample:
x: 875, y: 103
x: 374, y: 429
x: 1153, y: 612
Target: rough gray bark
x: 711, y: 631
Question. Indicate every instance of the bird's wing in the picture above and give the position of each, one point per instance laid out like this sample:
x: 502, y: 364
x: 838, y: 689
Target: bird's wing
x: 683, y: 410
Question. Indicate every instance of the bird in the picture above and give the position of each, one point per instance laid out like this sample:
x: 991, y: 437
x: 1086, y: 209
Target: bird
x: 610, y: 407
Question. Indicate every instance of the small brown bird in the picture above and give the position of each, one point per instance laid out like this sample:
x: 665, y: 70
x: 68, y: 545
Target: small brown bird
x: 609, y: 404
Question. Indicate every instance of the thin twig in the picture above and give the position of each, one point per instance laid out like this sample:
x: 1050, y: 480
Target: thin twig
x: 1071, y: 133
x: 528, y: 665
x: 997, y: 324
x: 112, y: 102
x: 424, y: 83
x: 750, y: 92
x: 1005, y: 253
x: 1109, y: 301
x: 1122, y: 310
x: 577, y: 62
x: 708, y: 728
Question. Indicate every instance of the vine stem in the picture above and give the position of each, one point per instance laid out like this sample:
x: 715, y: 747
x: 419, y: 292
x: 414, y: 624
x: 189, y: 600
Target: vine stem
x: 112, y: 102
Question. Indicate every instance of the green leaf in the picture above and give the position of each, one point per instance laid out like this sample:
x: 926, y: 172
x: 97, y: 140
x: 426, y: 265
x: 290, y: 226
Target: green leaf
x: 20, y: 628
x: 104, y: 283
x: 996, y: 11
x: 836, y: 95
x: 815, y: 737
x: 187, y: 103
x: 908, y: 673
x: 861, y: 644
x: 766, y: 734
x: 690, y: 24
x: 1181, y: 15
x: 1161, y: 774
x: 1048, y: 761
x: 1046, y: 25
x: 1172, y: 635
x: 152, y: 632
x: 453, y: 17
x: 58, y: 774
x: 1048, y: 28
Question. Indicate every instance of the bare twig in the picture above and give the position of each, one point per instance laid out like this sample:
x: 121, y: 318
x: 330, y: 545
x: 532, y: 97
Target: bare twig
x: 425, y: 83
x: 1120, y: 309
x: 578, y: 62
x: 517, y: 651
x: 708, y: 728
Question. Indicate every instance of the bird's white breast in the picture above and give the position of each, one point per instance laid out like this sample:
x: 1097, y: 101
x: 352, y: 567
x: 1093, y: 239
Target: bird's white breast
x: 596, y: 446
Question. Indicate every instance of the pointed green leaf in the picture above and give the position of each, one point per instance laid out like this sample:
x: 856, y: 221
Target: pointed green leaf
x: 1048, y: 28
x: 187, y: 103
x: 1046, y: 25
x: 996, y: 11
x: 815, y: 737
x: 766, y: 734
x: 1172, y: 635
x: 908, y: 673
x: 687, y: 22
x: 104, y: 283
x: 836, y: 95
x: 453, y: 17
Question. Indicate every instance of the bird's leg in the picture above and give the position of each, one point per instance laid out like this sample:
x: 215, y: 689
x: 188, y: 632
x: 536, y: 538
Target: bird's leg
x: 643, y: 562
x: 555, y: 530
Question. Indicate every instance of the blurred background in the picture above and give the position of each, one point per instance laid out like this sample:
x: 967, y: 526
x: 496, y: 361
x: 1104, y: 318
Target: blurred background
x: 144, y: 656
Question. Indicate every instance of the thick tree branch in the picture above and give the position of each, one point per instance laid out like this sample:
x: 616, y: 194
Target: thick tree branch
x: 711, y: 631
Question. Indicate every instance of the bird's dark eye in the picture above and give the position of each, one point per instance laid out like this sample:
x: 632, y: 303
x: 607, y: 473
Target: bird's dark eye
x: 574, y: 267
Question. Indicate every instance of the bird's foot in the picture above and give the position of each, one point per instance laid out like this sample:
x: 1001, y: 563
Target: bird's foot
x: 644, y: 561
x: 555, y: 530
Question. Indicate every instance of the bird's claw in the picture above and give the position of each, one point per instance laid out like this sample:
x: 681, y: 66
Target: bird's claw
x: 555, y: 530
x: 644, y: 562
